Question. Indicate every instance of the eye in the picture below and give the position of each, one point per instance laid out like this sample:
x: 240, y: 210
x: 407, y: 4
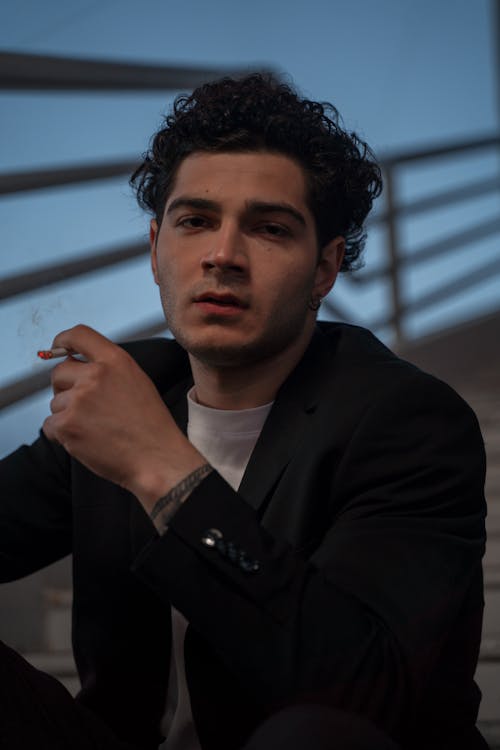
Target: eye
x: 275, y: 230
x: 193, y: 222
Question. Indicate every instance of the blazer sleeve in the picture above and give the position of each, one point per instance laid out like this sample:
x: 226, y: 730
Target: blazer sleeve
x: 36, y: 520
x: 361, y: 623
x: 35, y: 508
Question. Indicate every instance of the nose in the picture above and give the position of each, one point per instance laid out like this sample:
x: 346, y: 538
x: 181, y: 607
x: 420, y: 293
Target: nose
x: 227, y: 251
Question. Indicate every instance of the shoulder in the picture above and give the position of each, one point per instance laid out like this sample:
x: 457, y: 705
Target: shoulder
x: 362, y: 358
x: 411, y: 444
x: 373, y: 397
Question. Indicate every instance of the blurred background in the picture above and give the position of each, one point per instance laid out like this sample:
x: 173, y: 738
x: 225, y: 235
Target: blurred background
x: 84, y: 84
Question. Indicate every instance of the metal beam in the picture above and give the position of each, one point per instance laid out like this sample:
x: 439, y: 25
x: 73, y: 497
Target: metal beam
x: 20, y: 389
x: 17, y: 182
x: 420, y: 154
x: 448, y: 244
x: 20, y: 181
x: 37, y: 278
x: 22, y: 72
x: 436, y: 200
x: 444, y: 292
x: 452, y: 288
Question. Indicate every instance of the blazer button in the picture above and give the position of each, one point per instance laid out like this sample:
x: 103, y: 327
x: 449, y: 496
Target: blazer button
x: 250, y: 566
x: 211, y: 537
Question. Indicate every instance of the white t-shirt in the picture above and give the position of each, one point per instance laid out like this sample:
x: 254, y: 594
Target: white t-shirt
x: 226, y: 439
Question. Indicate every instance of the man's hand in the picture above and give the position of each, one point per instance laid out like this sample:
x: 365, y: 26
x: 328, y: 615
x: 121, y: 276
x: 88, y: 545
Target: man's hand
x: 107, y: 413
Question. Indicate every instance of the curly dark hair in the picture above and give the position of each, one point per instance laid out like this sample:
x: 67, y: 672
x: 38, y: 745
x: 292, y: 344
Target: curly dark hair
x: 260, y: 113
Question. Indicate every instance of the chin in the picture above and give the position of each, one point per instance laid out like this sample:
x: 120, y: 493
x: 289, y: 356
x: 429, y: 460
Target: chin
x: 214, y: 352
x: 218, y: 354
x: 226, y: 345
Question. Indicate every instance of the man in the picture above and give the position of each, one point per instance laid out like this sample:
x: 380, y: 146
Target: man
x: 276, y: 527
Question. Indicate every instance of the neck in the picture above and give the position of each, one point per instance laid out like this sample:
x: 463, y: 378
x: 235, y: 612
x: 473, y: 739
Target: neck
x: 246, y: 386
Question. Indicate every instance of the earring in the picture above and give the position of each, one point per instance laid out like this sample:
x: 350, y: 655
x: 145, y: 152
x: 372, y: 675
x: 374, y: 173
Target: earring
x: 315, y: 303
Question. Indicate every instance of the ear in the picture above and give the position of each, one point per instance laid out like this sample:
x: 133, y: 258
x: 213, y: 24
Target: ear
x: 328, y: 266
x: 153, y: 237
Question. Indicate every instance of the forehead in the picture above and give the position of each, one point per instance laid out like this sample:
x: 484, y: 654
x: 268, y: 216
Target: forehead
x: 239, y: 177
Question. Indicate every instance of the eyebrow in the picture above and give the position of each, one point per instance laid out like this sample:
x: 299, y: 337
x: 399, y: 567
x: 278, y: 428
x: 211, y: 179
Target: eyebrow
x: 262, y: 207
x: 254, y: 207
x: 197, y: 203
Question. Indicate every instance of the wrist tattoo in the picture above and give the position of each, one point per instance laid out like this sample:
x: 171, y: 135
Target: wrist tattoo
x: 167, y: 506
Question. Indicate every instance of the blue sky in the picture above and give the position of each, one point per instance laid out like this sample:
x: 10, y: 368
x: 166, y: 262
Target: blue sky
x: 402, y: 73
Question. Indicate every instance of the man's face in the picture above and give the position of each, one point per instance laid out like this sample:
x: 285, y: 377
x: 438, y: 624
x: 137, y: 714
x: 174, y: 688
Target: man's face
x: 236, y: 257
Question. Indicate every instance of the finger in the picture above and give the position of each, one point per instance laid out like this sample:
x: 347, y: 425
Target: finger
x: 64, y: 376
x: 49, y: 428
x: 60, y: 402
x: 87, y: 341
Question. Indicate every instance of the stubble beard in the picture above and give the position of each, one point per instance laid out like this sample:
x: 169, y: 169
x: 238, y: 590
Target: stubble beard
x: 281, y: 331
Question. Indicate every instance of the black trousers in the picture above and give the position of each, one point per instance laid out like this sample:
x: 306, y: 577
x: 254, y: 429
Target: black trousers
x: 38, y: 713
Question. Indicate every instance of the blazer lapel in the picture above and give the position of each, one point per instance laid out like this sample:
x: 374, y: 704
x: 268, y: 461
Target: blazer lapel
x: 296, y: 400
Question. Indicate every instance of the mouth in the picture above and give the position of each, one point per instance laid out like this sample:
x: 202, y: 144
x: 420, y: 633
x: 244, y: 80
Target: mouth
x: 223, y: 300
x: 219, y: 303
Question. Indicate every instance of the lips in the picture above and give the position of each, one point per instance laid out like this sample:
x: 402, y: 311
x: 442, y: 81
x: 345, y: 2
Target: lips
x: 222, y: 299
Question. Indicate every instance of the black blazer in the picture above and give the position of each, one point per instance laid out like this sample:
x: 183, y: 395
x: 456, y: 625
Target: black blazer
x: 362, y: 507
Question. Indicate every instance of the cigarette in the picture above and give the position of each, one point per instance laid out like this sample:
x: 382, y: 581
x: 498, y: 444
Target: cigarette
x: 58, y: 351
